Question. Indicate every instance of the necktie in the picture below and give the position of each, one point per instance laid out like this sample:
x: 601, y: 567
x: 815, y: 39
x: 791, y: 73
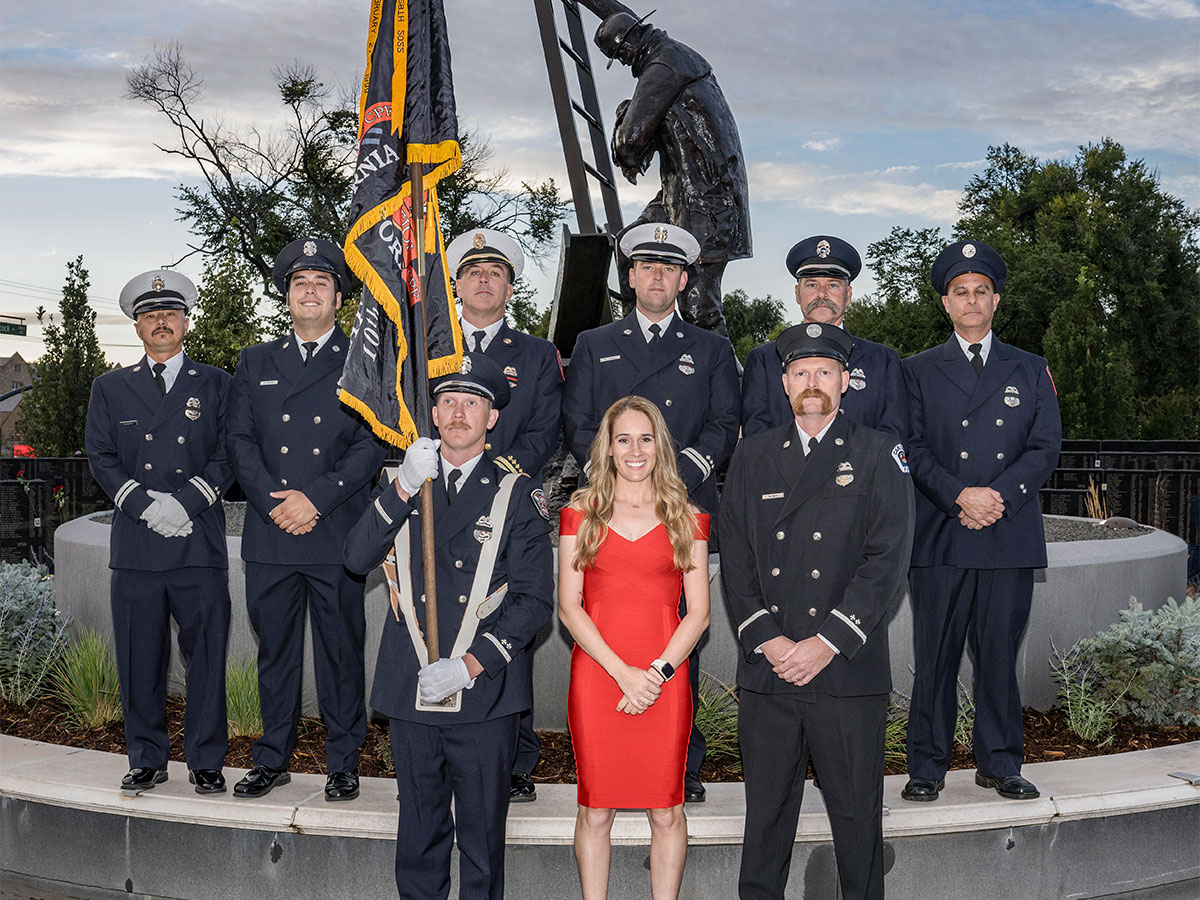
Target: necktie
x: 812, y: 445
x: 452, y: 484
x: 158, y: 378
x: 655, y: 333
x: 310, y: 347
x: 479, y: 336
x: 977, y: 357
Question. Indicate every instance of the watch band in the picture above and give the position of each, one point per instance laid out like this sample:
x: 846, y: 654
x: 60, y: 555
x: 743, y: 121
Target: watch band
x: 664, y: 668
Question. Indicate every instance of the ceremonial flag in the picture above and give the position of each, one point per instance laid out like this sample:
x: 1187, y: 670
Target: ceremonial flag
x: 406, y: 115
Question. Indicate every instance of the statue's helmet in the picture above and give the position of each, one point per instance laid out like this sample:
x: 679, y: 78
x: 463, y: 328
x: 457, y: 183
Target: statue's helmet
x: 612, y: 33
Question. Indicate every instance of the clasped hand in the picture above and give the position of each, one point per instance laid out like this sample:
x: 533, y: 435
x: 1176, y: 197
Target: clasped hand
x: 166, y: 516
x: 979, y: 507
x: 639, y: 689
x: 797, y: 662
x: 296, y: 514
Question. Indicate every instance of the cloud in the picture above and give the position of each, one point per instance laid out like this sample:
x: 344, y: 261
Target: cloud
x: 1157, y: 9
x: 822, y: 146
x: 867, y: 194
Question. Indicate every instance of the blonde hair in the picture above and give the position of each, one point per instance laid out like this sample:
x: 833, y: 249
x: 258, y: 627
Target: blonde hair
x: 671, y: 505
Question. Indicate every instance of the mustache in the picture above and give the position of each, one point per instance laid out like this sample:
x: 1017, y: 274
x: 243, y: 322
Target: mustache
x: 815, y: 393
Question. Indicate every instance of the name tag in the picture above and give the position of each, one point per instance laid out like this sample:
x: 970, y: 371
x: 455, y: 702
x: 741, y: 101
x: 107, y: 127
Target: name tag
x: 130, y: 422
x: 605, y: 359
x: 778, y: 496
x: 273, y: 381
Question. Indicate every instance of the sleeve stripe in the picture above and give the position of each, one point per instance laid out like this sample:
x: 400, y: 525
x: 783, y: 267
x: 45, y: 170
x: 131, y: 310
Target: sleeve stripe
x: 379, y: 508
x: 862, y: 637
x: 742, y: 627
x: 499, y: 646
x: 125, y: 490
x: 695, y: 456
x: 204, y: 488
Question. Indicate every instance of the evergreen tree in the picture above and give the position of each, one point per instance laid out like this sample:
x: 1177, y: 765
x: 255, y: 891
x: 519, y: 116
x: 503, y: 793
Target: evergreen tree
x: 225, y: 319
x: 54, y: 412
x: 751, y: 322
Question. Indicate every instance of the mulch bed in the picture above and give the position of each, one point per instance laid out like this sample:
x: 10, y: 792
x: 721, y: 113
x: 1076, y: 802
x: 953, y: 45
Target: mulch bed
x: 1047, y: 738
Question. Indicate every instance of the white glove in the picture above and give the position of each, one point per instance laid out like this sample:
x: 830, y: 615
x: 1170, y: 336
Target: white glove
x: 171, y: 519
x: 420, y: 464
x: 440, y: 679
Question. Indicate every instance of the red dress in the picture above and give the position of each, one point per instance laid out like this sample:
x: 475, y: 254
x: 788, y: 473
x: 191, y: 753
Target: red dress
x: 632, y: 594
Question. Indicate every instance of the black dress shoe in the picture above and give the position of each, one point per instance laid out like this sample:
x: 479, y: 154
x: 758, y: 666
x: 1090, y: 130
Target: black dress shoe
x: 141, y: 779
x: 1011, y: 787
x: 522, y: 789
x: 207, y: 781
x: 259, y: 782
x: 693, y: 790
x: 922, y: 790
x: 342, y: 785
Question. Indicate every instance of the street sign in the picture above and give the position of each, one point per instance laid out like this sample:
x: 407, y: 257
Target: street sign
x: 12, y: 328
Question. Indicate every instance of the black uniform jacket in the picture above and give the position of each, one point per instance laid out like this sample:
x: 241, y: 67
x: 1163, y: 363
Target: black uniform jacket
x: 137, y: 440
x: 501, y: 643
x: 691, y: 375
x: 999, y: 429
x: 527, y: 432
x: 816, y: 547
x: 875, y: 398
x: 288, y: 430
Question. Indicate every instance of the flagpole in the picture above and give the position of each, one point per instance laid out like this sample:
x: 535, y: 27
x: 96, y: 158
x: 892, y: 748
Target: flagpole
x: 421, y: 372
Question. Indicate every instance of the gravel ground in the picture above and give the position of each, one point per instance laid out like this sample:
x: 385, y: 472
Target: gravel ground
x: 1057, y: 528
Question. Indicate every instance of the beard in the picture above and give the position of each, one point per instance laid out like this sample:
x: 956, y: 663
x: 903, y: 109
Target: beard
x: 798, y: 401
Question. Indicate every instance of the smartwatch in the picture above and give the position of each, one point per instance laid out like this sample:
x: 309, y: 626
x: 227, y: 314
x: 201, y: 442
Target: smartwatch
x: 664, y: 668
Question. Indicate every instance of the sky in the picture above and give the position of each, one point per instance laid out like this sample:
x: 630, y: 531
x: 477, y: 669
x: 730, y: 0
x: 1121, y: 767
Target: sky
x: 854, y: 117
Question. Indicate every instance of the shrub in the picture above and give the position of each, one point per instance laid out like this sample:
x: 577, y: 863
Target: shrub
x: 1088, y: 707
x: 32, y: 631
x: 241, y: 699
x: 85, y: 680
x: 964, y: 721
x: 895, y: 735
x: 717, y: 718
x: 1148, y: 663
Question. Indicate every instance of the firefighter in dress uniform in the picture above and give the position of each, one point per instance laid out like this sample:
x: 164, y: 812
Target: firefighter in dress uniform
x: 454, y: 722
x: 486, y: 263
x: 824, y: 266
x: 985, y: 436
x: 691, y: 374
x: 306, y: 463
x: 816, y: 527
x: 155, y: 439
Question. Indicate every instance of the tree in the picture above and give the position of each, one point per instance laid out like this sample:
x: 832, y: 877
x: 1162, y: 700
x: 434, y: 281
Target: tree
x: 54, y: 412
x: 751, y: 322
x: 523, y: 312
x: 265, y: 188
x: 225, y: 318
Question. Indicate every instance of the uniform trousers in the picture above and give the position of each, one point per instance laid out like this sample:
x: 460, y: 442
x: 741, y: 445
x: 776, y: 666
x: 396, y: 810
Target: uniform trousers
x: 143, y: 604
x: 277, y: 598
x: 529, y: 746
x: 988, y: 608
x: 471, y: 763
x: 844, y: 737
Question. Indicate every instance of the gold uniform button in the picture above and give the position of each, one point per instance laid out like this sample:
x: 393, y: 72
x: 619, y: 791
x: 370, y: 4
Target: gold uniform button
x: 812, y: 611
x: 964, y: 454
x: 774, y: 572
x: 816, y: 535
x: 816, y: 573
x: 316, y: 451
x: 283, y: 449
x: 316, y: 420
x: 779, y: 535
x: 149, y: 467
x: 287, y: 417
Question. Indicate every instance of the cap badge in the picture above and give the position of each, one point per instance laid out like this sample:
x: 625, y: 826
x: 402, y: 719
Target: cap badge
x: 479, y: 241
x: 465, y: 368
x: 968, y: 250
x: 310, y: 248
x: 813, y: 330
x: 157, y: 284
x: 823, y: 249
x: 660, y: 234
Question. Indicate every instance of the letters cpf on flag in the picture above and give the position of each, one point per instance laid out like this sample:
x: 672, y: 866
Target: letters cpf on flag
x: 406, y: 115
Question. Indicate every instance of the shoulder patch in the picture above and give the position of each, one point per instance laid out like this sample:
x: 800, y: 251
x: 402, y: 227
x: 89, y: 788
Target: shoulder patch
x: 508, y: 464
x: 538, y: 496
x: 900, y: 458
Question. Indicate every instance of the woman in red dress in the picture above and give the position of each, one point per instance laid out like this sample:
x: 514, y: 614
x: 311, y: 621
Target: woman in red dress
x: 628, y: 542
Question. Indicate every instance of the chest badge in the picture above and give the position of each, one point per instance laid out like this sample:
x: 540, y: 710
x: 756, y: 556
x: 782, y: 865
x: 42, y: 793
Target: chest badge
x: 510, y: 372
x: 1012, y: 397
x: 538, y: 496
x: 193, y: 402
x: 483, y: 529
x: 687, y: 365
x: 192, y: 414
x: 845, y: 474
x: 858, y: 380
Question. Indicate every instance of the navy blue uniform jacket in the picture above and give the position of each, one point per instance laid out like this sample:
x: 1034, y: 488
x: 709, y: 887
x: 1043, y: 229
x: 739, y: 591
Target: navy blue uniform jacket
x: 288, y: 430
x: 527, y: 432
x: 137, y: 440
x: 501, y: 643
x: 999, y: 429
x: 816, y: 547
x: 875, y: 398
x: 691, y: 375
